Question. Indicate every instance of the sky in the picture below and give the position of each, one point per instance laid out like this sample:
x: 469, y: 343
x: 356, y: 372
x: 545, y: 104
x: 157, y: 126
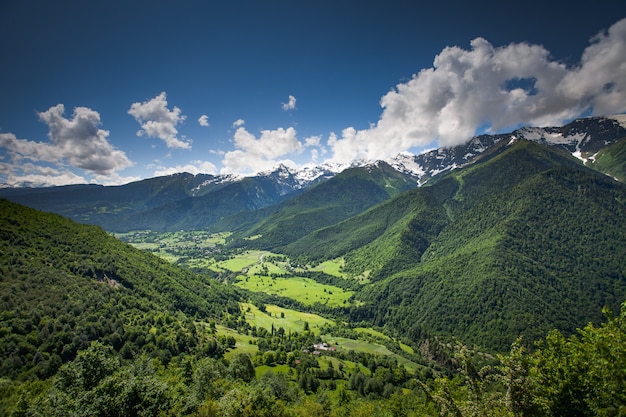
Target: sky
x: 110, y: 92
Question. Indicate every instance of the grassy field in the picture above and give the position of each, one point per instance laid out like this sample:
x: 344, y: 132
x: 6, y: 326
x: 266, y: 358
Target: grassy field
x: 242, y: 261
x: 332, y: 267
x: 268, y: 268
x: 304, y: 290
x: 290, y: 320
x: 348, y: 366
x: 367, y: 347
x: 277, y: 369
x: 171, y: 246
x: 372, y: 332
x: 404, y: 347
x: 256, y: 268
x: 243, y: 342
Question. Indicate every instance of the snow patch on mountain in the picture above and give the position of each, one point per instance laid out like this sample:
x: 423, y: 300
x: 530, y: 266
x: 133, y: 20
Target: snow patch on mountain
x: 406, y: 163
x: 582, y: 138
x: 217, y: 180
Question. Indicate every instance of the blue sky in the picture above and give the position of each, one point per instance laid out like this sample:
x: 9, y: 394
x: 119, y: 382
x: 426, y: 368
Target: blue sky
x: 114, y: 91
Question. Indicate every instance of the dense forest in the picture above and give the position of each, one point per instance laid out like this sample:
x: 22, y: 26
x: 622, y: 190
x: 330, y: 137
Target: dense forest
x: 65, y: 285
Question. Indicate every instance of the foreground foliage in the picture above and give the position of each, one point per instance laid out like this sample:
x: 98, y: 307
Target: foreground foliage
x: 582, y: 375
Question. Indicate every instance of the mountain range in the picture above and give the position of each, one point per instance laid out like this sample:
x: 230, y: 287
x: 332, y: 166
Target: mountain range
x: 185, y: 201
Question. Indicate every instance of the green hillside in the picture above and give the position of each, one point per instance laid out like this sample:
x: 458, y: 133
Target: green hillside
x: 105, y: 205
x: 397, y: 231
x: 345, y: 195
x: 64, y: 285
x: 523, y: 241
x: 542, y: 248
x: 611, y: 160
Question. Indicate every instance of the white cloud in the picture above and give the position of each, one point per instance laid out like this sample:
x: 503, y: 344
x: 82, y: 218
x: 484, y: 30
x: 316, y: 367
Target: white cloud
x: 312, y: 141
x: 494, y: 88
x: 254, y: 154
x: 31, y: 150
x: 239, y: 123
x: 44, y: 180
x: 315, y: 142
x: 314, y: 155
x: 204, y: 120
x: 290, y: 104
x: 193, y: 167
x: 157, y: 121
x: 39, y: 169
x: 81, y: 142
x: 77, y: 142
x: 600, y: 81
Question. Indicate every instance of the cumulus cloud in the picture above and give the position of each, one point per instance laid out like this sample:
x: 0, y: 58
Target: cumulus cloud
x: 312, y: 141
x: 28, y: 149
x: 491, y: 88
x: 77, y: 142
x: 204, y: 120
x: 254, y: 154
x: 239, y: 123
x: 290, y: 104
x: 46, y: 179
x: 193, y: 167
x: 600, y: 80
x: 157, y: 121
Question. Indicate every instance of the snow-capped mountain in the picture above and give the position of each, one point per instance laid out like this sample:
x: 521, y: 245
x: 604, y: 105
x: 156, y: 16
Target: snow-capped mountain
x: 289, y: 180
x: 582, y: 138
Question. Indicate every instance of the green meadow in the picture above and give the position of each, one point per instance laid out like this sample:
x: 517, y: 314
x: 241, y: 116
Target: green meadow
x: 267, y: 272
x: 290, y: 320
x: 244, y: 343
x: 332, y: 267
x: 376, y: 333
x: 305, y: 290
x: 277, y: 369
x: 242, y: 261
x: 368, y: 347
x: 192, y: 245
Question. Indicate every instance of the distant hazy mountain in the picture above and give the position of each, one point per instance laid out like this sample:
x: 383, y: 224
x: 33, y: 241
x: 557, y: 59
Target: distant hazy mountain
x: 345, y: 195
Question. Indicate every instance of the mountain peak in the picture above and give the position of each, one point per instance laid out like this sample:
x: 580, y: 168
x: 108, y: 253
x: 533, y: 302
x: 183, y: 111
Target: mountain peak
x: 582, y: 138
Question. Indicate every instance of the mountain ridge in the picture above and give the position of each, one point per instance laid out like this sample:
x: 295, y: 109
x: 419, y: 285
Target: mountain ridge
x: 163, y: 203
x: 509, y: 259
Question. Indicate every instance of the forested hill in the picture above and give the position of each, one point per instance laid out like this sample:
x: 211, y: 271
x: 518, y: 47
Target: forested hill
x: 544, y: 251
x: 518, y: 244
x: 64, y: 285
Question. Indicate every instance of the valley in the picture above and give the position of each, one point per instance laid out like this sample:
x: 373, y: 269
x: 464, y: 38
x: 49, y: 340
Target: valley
x: 254, y: 270
x: 267, y: 273
x: 501, y: 279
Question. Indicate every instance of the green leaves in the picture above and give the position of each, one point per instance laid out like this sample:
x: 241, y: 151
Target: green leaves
x: 241, y: 367
x: 583, y: 375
